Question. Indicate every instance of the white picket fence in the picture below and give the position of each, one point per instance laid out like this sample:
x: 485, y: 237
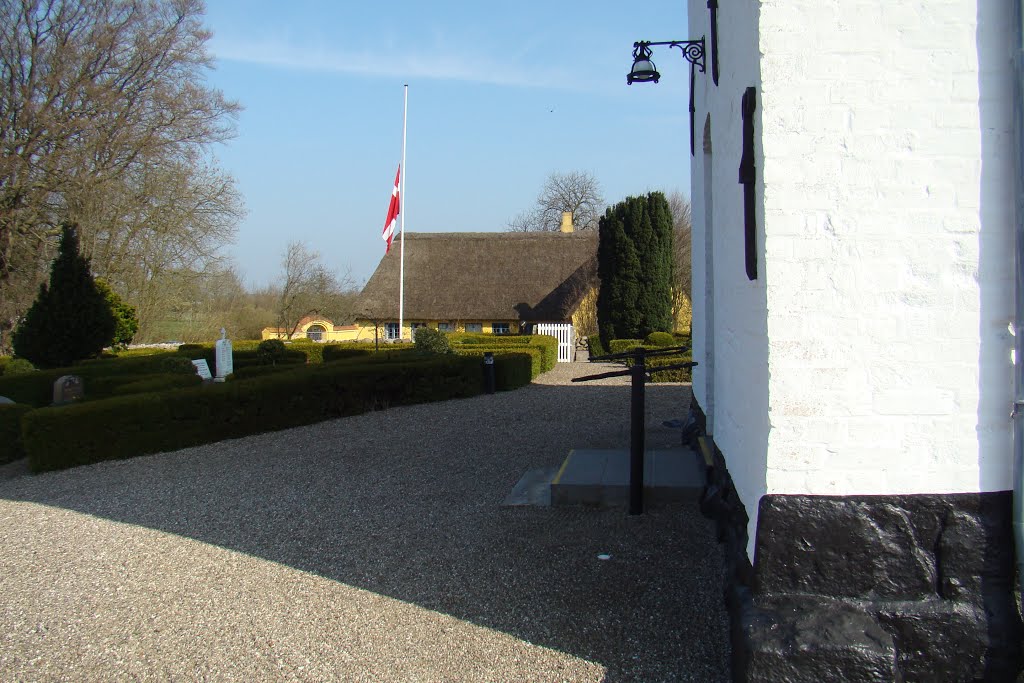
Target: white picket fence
x: 566, y: 338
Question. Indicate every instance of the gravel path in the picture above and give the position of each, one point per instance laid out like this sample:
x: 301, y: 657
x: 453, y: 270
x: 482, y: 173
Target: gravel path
x: 370, y: 548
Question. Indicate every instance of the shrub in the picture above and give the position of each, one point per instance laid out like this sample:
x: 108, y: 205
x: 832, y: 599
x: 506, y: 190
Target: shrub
x: 659, y: 339
x: 512, y: 370
x: 534, y: 354
x: 70, y: 319
x: 126, y: 426
x: 11, y: 447
x: 190, y: 348
x: 270, y: 351
x: 157, y: 383
x: 622, y: 345
x: 19, y: 366
x: 432, y: 341
x: 127, y: 320
x: 595, y: 347
x: 334, y: 352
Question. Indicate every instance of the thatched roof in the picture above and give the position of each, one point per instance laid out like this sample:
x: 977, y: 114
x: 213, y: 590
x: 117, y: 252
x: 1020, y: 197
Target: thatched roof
x: 533, y: 276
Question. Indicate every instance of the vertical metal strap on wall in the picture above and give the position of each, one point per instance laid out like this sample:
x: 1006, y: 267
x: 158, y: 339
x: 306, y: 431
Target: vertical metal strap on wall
x: 713, y: 7
x: 748, y: 176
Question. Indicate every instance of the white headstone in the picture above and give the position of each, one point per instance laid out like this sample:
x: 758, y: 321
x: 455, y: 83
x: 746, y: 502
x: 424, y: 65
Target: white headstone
x: 203, y: 369
x: 223, y: 356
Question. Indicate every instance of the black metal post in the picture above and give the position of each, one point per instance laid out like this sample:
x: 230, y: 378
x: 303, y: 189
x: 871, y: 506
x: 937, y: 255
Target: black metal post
x: 636, y: 430
x: 489, y: 372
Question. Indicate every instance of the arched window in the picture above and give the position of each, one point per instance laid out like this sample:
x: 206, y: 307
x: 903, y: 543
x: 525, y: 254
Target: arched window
x: 316, y: 332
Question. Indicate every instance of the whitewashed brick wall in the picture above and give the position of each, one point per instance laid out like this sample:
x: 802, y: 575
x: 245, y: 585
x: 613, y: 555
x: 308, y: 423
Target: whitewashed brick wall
x: 886, y: 285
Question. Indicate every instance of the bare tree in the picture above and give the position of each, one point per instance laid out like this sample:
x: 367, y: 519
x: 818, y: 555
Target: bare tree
x: 307, y: 287
x: 577, y: 192
x: 100, y: 102
x: 682, y: 252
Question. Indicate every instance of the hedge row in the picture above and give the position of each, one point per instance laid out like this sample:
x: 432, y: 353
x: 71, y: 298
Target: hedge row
x: 99, y: 377
x: 532, y: 359
x: 676, y: 375
x: 11, y: 447
x: 123, y: 427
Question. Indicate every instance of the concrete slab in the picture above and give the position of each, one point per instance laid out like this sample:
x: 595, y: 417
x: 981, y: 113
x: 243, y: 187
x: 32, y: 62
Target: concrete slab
x: 534, y: 488
x: 601, y: 477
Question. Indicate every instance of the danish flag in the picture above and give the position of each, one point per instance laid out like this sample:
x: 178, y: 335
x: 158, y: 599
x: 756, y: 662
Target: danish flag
x: 393, y: 210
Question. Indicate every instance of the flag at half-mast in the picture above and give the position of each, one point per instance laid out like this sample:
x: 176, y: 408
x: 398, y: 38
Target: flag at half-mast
x: 391, y: 223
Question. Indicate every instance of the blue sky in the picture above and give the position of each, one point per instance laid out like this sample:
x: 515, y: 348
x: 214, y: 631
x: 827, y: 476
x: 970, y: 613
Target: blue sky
x: 501, y: 94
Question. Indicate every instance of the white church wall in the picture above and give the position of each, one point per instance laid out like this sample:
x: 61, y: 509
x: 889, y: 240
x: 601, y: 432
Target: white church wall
x: 889, y: 255
x: 731, y: 384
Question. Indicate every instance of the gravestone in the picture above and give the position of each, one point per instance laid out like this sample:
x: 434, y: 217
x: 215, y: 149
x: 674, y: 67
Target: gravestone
x: 224, y: 359
x: 67, y: 388
x: 203, y: 369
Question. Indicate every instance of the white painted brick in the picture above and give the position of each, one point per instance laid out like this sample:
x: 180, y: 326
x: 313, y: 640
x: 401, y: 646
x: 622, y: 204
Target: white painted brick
x: 875, y: 319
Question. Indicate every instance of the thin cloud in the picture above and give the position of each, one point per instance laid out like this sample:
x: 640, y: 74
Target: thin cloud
x: 389, y: 63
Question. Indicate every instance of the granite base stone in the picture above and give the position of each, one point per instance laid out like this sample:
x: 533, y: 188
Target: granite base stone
x: 868, y: 588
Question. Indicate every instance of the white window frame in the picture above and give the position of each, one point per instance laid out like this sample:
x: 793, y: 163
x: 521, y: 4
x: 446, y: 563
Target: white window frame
x: 446, y: 327
x: 506, y: 328
x: 392, y: 331
x: 475, y: 328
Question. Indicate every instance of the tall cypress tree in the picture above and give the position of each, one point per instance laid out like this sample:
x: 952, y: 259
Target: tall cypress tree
x: 70, y: 319
x: 634, y: 264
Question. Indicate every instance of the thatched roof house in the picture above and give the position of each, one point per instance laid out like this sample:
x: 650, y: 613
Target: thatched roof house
x: 475, y: 276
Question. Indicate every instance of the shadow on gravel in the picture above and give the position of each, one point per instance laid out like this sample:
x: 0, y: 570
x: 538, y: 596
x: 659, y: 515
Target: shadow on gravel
x: 406, y: 503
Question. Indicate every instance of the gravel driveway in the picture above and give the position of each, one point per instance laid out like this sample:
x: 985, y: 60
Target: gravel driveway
x: 369, y: 548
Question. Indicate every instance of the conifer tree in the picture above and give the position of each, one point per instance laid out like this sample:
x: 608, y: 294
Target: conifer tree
x: 70, y: 319
x: 635, y: 268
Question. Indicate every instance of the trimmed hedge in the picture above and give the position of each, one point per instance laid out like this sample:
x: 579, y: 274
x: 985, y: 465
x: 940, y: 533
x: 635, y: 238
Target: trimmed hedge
x: 123, y: 427
x: 621, y: 345
x: 98, y: 375
x: 11, y: 447
x: 594, y: 346
x: 677, y: 375
x: 533, y: 354
x: 333, y: 352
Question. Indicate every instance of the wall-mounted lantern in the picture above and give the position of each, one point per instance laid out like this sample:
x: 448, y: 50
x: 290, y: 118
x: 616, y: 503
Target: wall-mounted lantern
x: 644, y: 71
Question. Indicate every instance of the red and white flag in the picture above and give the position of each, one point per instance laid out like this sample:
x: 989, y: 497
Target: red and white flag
x: 390, y: 224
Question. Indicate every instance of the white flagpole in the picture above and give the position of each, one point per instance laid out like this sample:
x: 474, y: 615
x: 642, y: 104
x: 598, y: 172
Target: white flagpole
x: 401, y: 267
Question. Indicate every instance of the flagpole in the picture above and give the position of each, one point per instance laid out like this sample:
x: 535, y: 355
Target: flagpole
x: 401, y: 216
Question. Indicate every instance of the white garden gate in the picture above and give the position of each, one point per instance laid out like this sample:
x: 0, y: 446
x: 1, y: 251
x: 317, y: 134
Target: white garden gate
x: 566, y: 338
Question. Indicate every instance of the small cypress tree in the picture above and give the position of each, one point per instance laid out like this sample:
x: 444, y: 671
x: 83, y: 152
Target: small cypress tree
x: 70, y: 319
x: 634, y: 264
x: 124, y: 313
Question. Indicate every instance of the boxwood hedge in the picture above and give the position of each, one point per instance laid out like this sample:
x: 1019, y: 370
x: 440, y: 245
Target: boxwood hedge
x: 123, y: 427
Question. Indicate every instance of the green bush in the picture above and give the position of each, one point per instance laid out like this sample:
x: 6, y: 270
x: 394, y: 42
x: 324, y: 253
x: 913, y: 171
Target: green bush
x: 677, y: 375
x: 490, y: 339
x: 126, y: 426
x: 105, y: 387
x: 512, y: 370
x: 19, y: 366
x: 125, y: 315
x: 333, y: 352
x: 250, y: 371
x: 70, y: 318
x: 622, y: 345
x: 431, y: 341
x: 11, y: 447
x: 594, y: 346
x: 190, y: 348
x: 270, y: 351
x: 659, y: 339
x: 535, y: 354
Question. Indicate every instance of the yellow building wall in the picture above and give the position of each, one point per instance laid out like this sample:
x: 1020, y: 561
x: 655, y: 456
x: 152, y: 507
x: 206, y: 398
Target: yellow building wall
x: 366, y: 327
x: 331, y: 332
